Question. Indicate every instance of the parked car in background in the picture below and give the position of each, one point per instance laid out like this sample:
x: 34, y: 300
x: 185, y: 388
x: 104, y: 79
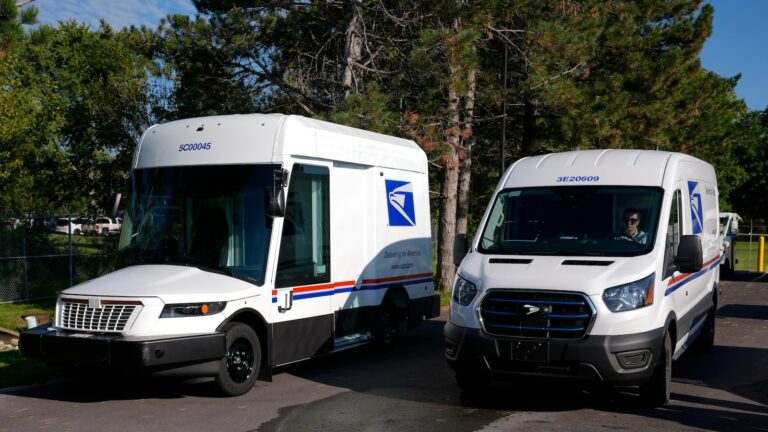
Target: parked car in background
x: 69, y: 226
x: 103, y: 226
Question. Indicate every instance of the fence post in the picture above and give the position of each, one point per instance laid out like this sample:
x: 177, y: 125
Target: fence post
x: 760, y: 253
x: 26, y: 266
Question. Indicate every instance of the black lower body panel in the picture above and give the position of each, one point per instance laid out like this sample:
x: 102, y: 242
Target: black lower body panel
x: 72, y: 349
x: 624, y: 360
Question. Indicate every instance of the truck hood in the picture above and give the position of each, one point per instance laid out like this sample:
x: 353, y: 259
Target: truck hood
x: 589, y: 275
x: 170, y: 283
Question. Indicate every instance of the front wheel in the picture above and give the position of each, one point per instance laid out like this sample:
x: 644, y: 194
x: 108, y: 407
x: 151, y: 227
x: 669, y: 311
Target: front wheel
x: 656, y: 391
x: 706, y: 339
x: 387, y: 326
x: 240, y: 368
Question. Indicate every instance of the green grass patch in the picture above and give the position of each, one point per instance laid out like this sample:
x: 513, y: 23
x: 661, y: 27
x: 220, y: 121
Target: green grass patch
x: 445, y: 298
x: 10, y: 314
x: 746, y: 255
x: 16, y: 370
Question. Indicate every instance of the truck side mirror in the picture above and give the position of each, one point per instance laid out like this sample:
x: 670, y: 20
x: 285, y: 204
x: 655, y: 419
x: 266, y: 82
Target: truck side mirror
x: 114, y: 204
x: 277, y: 197
x: 460, y: 248
x: 734, y: 227
x: 689, y: 257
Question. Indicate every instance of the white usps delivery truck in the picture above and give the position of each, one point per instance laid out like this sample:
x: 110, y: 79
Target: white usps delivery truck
x: 252, y: 241
x: 599, y: 265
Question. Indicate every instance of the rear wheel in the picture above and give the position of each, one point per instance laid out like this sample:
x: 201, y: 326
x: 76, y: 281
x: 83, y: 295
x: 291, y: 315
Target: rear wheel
x: 240, y: 368
x: 656, y: 391
x: 387, y: 326
x: 105, y: 231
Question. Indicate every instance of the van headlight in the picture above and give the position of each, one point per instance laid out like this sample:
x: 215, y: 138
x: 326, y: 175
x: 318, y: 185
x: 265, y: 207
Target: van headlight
x: 191, y: 309
x: 464, y: 291
x: 630, y: 296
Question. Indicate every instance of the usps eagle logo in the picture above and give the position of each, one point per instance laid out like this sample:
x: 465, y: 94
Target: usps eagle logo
x: 400, y: 203
x: 697, y: 210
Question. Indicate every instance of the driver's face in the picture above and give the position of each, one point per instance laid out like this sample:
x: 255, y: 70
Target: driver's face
x: 630, y: 223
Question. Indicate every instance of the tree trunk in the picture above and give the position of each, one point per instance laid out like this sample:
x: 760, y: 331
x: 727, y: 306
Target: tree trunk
x: 468, y: 139
x: 353, y: 49
x: 529, y: 129
x: 449, y: 193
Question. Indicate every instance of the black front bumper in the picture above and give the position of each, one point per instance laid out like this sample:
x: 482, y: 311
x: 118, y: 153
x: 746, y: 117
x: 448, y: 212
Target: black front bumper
x: 625, y: 360
x: 196, y: 355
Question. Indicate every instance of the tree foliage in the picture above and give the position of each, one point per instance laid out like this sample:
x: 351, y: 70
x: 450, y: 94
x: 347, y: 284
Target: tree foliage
x: 459, y: 78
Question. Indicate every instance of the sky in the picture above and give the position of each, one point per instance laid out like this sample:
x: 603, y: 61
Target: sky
x: 737, y: 44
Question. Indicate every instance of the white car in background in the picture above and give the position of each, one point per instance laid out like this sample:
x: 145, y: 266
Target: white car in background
x: 69, y: 226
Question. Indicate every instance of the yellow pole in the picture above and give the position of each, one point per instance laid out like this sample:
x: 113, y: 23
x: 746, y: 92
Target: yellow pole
x: 760, y: 253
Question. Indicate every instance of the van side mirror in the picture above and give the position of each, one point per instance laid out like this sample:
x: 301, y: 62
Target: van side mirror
x: 114, y: 204
x: 460, y: 248
x: 277, y: 197
x: 689, y: 257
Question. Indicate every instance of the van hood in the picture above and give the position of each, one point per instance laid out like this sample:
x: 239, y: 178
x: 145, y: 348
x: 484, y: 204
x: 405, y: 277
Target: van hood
x: 589, y: 275
x: 170, y: 283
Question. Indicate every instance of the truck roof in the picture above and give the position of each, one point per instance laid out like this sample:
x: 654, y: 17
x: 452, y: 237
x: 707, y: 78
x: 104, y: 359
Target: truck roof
x: 611, y: 166
x: 269, y: 138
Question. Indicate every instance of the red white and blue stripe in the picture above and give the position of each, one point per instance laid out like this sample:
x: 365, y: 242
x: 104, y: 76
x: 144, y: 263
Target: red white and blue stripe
x: 329, y: 289
x: 678, y: 281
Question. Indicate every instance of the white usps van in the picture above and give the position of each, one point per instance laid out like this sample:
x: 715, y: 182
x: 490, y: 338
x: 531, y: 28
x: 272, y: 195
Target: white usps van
x: 252, y: 241
x: 729, y: 231
x: 598, y: 265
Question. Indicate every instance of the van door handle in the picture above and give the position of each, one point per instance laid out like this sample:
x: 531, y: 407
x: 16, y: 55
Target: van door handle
x: 288, y: 303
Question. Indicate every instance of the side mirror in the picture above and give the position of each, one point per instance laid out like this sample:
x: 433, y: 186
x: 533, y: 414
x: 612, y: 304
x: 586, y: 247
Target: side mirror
x: 114, y: 204
x: 277, y: 198
x: 689, y: 257
x: 460, y: 248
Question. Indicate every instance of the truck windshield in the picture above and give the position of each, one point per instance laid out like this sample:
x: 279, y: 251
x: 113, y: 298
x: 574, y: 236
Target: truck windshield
x: 210, y: 217
x: 573, y: 220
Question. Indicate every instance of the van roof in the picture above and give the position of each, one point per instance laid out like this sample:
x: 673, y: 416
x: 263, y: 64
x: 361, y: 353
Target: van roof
x: 611, y: 167
x: 269, y: 138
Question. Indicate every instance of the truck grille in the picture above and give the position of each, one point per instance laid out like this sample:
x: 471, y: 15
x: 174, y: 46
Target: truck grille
x: 109, y: 317
x: 536, y: 314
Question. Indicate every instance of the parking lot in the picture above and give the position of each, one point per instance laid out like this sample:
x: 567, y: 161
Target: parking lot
x: 412, y: 389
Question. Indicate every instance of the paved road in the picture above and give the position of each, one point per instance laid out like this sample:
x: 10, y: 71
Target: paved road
x: 412, y: 389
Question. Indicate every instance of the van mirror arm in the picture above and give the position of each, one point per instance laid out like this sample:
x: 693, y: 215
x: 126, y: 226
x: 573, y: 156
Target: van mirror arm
x: 690, y: 258
x: 114, y: 204
x: 460, y: 248
x: 277, y: 197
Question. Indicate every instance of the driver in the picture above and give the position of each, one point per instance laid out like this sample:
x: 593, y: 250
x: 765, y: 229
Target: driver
x: 630, y: 230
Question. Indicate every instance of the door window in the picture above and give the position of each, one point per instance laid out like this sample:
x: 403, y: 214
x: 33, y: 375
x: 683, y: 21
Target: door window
x: 305, y: 252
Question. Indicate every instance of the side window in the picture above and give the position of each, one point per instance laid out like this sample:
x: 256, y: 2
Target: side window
x: 674, y: 230
x: 305, y: 248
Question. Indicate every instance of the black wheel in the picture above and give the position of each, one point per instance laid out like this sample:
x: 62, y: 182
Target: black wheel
x: 77, y: 231
x: 706, y: 339
x: 105, y: 232
x: 471, y: 380
x: 387, y: 326
x: 240, y: 368
x: 656, y: 391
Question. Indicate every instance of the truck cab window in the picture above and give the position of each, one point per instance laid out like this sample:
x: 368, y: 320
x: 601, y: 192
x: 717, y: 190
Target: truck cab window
x: 305, y: 253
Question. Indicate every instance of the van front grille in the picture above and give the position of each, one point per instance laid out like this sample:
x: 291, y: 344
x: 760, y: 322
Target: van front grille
x: 536, y: 314
x: 111, y: 317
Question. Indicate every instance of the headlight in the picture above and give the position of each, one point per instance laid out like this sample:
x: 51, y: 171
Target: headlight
x: 191, y: 309
x: 463, y: 291
x: 630, y: 296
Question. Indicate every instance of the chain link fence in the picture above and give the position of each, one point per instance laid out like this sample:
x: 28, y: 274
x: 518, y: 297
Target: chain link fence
x: 746, y: 245
x: 41, y: 256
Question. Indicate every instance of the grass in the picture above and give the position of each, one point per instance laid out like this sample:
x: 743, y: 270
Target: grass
x: 81, y: 244
x: 744, y: 262
x: 16, y: 370
x: 10, y: 314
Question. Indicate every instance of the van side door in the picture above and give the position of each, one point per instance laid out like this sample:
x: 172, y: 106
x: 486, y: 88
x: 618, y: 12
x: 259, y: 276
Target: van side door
x: 302, y: 317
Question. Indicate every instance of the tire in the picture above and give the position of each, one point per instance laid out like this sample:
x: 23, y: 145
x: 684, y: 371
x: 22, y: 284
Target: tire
x: 387, y: 328
x: 105, y: 232
x: 656, y: 391
x: 240, y: 367
x: 706, y: 339
x: 77, y: 231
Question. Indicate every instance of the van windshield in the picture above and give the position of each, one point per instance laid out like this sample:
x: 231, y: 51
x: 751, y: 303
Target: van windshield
x: 573, y: 220
x: 210, y: 217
